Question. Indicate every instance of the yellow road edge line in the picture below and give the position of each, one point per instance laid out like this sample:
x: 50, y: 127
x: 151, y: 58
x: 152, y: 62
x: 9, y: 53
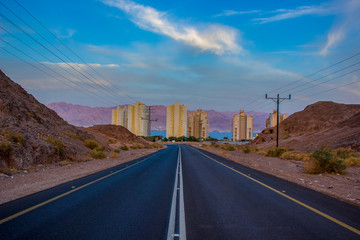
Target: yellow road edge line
x: 65, y: 194
x: 288, y: 197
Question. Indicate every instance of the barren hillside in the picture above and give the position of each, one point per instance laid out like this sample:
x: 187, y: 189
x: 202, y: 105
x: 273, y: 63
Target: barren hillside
x: 322, y: 123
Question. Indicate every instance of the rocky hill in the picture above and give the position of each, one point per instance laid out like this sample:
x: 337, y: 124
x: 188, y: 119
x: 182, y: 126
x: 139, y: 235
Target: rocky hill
x: 88, y: 116
x: 31, y: 133
x: 322, y: 123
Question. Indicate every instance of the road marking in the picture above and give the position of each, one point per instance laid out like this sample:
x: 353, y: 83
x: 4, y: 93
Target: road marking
x: 172, y: 221
x: 65, y: 194
x: 288, y: 197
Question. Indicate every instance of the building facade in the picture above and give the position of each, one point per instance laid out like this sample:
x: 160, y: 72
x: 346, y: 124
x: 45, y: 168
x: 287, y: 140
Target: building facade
x: 272, y: 119
x: 176, y: 120
x: 242, y: 127
x: 198, y: 124
x: 133, y: 117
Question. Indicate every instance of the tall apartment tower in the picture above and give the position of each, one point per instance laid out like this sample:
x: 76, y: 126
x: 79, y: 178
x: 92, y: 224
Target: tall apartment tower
x: 133, y: 117
x: 198, y: 124
x: 242, y: 127
x: 272, y: 119
x: 176, y: 120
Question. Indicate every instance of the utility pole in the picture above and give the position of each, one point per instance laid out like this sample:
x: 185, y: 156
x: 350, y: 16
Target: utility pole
x: 277, y: 100
x: 150, y: 110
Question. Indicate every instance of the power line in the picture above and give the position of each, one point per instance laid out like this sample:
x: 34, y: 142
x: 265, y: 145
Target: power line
x: 36, y: 19
x: 22, y: 30
x: 80, y: 88
x: 99, y: 83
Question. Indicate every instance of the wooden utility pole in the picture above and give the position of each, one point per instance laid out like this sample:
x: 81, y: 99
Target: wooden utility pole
x: 277, y: 100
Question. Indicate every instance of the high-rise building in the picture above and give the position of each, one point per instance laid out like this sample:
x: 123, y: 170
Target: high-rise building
x: 198, y: 124
x: 133, y: 117
x: 176, y: 120
x: 242, y: 127
x: 272, y: 119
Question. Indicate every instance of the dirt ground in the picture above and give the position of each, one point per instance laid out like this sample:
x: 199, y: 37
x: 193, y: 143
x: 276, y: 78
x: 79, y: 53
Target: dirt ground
x: 44, y: 177
x: 344, y: 187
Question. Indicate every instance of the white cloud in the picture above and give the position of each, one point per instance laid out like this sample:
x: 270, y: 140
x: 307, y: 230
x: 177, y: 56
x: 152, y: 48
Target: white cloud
x: 65, y: 34
x: 283, y: 14
x: 348, y: 22
x: 232, y: 13
x: 82, y: 66
x: 215, y: 38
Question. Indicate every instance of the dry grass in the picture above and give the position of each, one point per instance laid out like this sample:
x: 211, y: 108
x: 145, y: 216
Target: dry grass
x: 295, y: 155
x: 352, y: 161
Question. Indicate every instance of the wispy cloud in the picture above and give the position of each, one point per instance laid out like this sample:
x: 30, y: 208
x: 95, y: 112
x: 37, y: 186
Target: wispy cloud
x: 214, y: 37
x: 283, y: 14
x: 83, y: 66
x: 232, y: 13
x: 65, y: 34
x: 348, y: 22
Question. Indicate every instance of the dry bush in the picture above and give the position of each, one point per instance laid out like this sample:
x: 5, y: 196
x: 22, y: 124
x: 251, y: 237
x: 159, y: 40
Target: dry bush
x: 5, y: 149
x: 324, y: 160
x: 58, y: 145
x: 97, y: 154
x: 295, y: 155
x: 276, y: 152
x: 352, y: 161
x: 124, y: 147
x: 157, y: 145
x: 90, y: 143
x: 114, y: 154
x: 13, y: 137
x: 74, y: 136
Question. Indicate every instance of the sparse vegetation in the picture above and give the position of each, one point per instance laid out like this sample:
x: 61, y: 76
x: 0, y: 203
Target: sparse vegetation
x: 324, y: 160
x: 74, y: 136
x: 13, y: 137
x: 287, y: 136
x: 90, y: 143
x: 124, y: 148
x: 5, y: 149
x: 276, y: 152
x: 295, y: 155
x: 157, y: 145
x: 247, y: 150
x: 59, y: 146
x: 352, y: 161
x: 117, y: 150
x: 97, y: 154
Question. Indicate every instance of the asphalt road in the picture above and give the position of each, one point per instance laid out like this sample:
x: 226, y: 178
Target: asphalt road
x: 194, y: 194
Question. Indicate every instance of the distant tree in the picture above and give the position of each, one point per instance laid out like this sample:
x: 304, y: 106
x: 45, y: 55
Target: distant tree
x: 226, y: 138
x: 165, y: 139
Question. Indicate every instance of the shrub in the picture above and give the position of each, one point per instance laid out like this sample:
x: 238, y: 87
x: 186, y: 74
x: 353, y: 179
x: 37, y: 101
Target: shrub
x: 14, y: 137
x: 5, y: 149
x: 247, y: 150
x: 110, y: 142
x: 157, y: 145
x: 117, y: 150
x: 324, y: 160
x: 344, y: 153
x: 352, y: 161
x: 124, y: 147
x: 91, y: 143
x: 58, y: 144
x: 74, y: 136
x: 97, y: 154
x: 137, y: 146
x: 276, y: 152
x: 228, y: 147
x: 287, y: 136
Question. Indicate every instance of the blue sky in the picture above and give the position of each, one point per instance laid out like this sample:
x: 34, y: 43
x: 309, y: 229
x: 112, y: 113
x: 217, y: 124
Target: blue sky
x: 222, y: 55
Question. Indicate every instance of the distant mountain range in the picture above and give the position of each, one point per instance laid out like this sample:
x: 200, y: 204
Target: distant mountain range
x: 88, y: 116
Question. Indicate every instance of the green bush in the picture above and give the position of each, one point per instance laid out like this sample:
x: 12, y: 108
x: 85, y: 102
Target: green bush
x: 124, y: 148
x: 59, y: 146
x: 13, y: 137
x: 97, y: 154
x: 100, y: 148
x: 276, y: 152
x: 117, y: 150
x: 5, y: 149
x: 344, y: 153
x: 91, y: 143
x: 324, y: 160
x: 247, y: 150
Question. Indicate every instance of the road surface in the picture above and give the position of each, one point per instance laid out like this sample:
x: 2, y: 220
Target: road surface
x: 179, y: 193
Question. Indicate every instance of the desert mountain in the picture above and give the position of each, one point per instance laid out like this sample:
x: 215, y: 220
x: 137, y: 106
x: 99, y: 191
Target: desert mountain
x: 31, y: 133
x: 88, y: 116
x: 322, y: 123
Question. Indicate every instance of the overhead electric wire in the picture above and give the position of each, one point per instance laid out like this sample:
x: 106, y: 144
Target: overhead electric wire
x: 99, y: 83
x: 22, y: 30
x: 81, y: 59
x: 308, y: 76
x: 80, y: 87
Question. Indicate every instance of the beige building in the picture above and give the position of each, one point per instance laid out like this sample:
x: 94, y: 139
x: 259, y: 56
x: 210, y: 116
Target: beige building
x: 134, y: 117
x: 198, y: 124
x: 176, y: 120
x: 271, y: 121
x: 242, y: 127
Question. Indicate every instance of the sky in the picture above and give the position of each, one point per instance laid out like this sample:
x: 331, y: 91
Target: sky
x: 221, y: 55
